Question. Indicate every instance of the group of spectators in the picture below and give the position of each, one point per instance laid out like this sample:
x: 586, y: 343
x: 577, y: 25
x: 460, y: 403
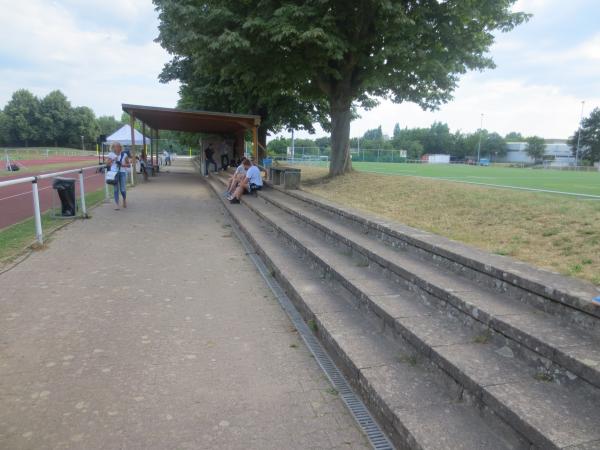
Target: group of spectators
x: 245, y: 180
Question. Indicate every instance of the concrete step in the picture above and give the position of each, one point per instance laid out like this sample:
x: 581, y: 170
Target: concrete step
x: 562, y: 424
x: 418, y: 405
x: 565, y: 297
x: 544, y: 335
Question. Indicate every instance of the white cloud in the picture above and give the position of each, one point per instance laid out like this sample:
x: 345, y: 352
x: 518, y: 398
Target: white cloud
x: 101, y: 68
x: 534, y: 6
x: 100, y: 53
x: 589, y: 50
x: 123, y: 10
x: 507, y: 105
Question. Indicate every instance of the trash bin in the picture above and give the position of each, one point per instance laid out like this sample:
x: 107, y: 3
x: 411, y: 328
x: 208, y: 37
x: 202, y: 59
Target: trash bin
x: 65, y: 187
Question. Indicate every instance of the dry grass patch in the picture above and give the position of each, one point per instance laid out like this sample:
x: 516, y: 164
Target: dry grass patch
x: 558, y: 233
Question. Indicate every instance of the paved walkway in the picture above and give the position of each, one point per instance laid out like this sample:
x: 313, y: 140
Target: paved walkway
x: 148, y: 328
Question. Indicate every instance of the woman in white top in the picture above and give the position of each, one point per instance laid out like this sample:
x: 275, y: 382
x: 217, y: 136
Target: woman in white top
x: 121, y: 163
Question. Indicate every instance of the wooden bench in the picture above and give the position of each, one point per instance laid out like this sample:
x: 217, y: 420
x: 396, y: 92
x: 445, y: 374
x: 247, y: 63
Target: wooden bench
x: 286, y: 176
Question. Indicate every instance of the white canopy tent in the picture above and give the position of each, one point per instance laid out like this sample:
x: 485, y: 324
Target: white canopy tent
x: 123, y: 136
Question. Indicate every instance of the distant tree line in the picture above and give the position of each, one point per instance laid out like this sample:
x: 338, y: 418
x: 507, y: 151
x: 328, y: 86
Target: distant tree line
x: 439, y: 139
x: 417, y: 142
x: 27, y: 120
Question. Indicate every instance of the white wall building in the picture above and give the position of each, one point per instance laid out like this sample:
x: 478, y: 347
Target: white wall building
x: 438, y: 159
x: 557, y: 150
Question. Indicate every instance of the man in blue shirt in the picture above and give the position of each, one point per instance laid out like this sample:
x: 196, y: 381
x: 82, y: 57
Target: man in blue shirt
x: 251, y: 182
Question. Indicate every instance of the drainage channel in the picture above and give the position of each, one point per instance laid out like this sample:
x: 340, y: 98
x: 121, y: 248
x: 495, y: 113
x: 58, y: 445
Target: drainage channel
x: 357, y: 408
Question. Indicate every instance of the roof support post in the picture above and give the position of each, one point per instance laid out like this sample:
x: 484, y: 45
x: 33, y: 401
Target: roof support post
x: 132, y: 156
x: 144, y: 151
x: 255, y: 144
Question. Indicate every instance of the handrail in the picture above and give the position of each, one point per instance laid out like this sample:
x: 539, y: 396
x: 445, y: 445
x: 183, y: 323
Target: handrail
x: 36, y: 196
x: 16, y: 181
x: 44, y: 176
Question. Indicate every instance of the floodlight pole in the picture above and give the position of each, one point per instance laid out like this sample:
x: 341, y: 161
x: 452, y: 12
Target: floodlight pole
x: 82, y: 144
x: 479, y: 145
x: 293, y: 146
x: 579, y: 136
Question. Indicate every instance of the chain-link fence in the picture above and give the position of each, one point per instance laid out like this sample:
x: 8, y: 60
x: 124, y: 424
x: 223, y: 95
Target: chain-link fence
x: 358, y: 154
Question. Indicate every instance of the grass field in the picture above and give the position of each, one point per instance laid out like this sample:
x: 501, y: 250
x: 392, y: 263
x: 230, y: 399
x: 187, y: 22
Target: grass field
x: 555, y: 180
x: 556, y: 232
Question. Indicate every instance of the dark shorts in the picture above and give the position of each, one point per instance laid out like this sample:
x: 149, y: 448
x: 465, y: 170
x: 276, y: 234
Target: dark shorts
x: 253, y: 187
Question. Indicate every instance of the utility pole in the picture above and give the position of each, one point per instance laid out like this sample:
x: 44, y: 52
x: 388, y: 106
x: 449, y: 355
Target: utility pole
x: 579, y: 136
x: 479, y: 145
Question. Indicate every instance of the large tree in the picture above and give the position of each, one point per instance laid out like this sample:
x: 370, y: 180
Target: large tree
x: 107, y: 125
x: 82, y: 122
x: 589, y: 145
x: 536, y: 146
x: 21, y: 121
x: 346, y: 53
x: 3, y: 129
x: 438, y: 139
x: 55, y: 118
x: 222, y: 66
x: 494, y: 145
x: 514, y: 136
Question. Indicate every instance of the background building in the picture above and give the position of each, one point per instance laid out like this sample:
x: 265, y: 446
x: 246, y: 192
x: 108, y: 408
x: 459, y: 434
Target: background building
x: 558, y: 152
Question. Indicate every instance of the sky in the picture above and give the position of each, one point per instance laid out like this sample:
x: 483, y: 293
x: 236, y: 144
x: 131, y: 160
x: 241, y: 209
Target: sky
x: 102, y: 53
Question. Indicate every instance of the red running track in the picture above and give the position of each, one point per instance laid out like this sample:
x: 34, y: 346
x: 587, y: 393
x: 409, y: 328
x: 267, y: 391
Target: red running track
x: 16, y: 201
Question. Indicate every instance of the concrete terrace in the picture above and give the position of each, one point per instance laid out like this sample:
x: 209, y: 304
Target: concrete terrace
x: 148, y: 328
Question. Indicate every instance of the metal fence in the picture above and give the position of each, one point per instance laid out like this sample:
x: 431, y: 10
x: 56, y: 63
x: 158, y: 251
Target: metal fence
x: 357, y: 154
x: 33, y: 180
x: 43, y: 152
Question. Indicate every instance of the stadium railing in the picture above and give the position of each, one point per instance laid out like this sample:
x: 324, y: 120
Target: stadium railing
x: 36, y: 196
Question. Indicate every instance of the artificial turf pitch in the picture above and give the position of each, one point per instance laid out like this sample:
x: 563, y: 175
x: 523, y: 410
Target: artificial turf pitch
x: 574, y: 182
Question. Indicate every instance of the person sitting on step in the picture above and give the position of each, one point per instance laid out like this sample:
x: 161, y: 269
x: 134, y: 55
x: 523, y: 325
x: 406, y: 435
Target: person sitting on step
x: 251, y: 182
x: 236, y: 178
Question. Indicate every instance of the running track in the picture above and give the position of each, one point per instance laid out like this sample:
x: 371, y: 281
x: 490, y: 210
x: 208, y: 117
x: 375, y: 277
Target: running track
x: 16, y: 202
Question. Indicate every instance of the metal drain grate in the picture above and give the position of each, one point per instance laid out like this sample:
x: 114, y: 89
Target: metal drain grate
x: 359, y: 411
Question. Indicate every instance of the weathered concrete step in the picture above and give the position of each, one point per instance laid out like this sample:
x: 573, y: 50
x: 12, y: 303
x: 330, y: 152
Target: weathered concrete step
x: 408, y: 392
x: 409, y: 399
x: 429, y: 332
x: 573, y: 294
x: 576, y: 350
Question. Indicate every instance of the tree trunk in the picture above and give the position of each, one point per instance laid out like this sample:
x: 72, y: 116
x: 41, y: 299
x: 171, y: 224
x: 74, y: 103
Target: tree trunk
x: 340, y: 162
x: 262, y: 144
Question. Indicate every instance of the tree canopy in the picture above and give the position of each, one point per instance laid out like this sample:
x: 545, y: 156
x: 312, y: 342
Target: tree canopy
x: 514, y: 136
x: 590, y: 138
x: 28, y: 120
x: 21, y: 115
x: 327, y: 56
x: 415, y: 141
x: 221, y: 67
x: 536, y: 146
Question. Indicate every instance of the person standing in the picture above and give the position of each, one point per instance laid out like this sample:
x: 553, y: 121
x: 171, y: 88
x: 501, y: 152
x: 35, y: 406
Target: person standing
x: 119, y: 162
x: 167, y: 157
x: 208, y: 159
